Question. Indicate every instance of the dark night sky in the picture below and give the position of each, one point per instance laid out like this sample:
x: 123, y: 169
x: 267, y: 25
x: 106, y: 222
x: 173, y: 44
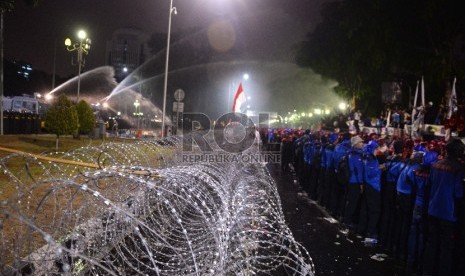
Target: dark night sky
x: 31, y: 33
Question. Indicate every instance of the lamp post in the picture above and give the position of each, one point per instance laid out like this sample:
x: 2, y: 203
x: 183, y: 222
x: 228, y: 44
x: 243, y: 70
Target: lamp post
x: 137, y: 113
x: 165, y: 85
x: 82, y: 47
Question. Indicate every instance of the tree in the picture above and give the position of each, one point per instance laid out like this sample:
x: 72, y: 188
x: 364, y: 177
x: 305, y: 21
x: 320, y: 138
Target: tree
x: 86, y: 117
x: 62, y: 118
x: 361, y: 43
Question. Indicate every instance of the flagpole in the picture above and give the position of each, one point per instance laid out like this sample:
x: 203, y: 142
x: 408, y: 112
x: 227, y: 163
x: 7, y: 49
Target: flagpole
x: 388, y: 122
x: 414, y: 109
x: 422, y: 92
x: 238, y: 99
x: 452, y: 103
x: 452, y: 98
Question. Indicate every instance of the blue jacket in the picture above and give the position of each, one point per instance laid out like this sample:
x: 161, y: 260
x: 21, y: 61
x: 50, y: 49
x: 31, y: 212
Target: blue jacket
x: 312, y: 149
x: 356, y: 166
x: 322, y: 155
x: 394, y: 167
x: 421, y: 176
x: 308, y: 152
x: 372, y: 172
x: 327, y: 156
x: 340, y: 150
x: 445, y: 178
x: 406, y: 180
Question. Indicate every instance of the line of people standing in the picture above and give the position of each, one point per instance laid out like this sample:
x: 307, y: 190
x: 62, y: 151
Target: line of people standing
x: 402, y: 195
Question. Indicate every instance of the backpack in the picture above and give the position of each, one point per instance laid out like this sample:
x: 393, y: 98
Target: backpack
x: 343, y: 170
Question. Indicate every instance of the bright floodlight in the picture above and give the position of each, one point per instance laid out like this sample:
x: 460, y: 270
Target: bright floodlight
x: 81, y: 34
x: 245, y: 76
x: 342, y: 106
x: 303, y: 114
x: 48, y: 97
x: 67, y: 42
x: 105, y: 105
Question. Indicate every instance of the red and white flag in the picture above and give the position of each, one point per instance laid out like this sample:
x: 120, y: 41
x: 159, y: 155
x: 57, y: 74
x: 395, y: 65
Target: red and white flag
x: 239, y: 99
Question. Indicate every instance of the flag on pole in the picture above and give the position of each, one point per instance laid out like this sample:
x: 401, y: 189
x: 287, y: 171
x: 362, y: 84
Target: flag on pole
x: 452, y: 109
x: 422, y: 92
x: 452, y: 101
x: 388, y: 122
x: 239, y: 99
x: 414, y: 109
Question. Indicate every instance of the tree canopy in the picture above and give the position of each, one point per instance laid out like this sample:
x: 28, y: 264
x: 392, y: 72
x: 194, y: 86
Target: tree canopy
x: 8, y: 5
x: 361, y: 43
x: 62, y: 118
x: 86, y: 117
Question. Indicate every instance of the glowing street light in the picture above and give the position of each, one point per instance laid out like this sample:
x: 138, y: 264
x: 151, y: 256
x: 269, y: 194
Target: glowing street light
x: 82, y: 46
x: 136, y: 105
x: 342, y: 106
x: 48, y: 97
x: 165, y: 85
x: 137, y: 112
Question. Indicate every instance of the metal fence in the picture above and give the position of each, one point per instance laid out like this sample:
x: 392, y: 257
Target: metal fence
x: 21, y: 123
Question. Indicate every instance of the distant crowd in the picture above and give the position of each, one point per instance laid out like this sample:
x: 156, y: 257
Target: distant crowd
x: 404, y: 195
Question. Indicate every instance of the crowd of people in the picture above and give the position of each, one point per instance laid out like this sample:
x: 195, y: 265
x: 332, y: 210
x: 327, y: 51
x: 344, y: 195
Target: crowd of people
x: 404, y: 195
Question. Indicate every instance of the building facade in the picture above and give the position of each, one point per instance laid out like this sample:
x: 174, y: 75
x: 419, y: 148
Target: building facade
x: 126, y: 51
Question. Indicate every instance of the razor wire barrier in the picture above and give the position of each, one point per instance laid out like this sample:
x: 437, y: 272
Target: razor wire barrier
x: 142, y: 211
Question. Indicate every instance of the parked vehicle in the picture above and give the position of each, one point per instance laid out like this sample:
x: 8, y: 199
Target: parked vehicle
x: 23, y: 104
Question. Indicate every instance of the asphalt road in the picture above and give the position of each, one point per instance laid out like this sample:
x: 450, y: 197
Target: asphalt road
x: 334, y: 252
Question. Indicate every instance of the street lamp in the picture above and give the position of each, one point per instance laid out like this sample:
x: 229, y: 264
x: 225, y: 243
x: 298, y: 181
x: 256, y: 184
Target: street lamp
x: 165, y: 85
x: 82, y: 47
x: 137, y: 113
x: 342, y: 106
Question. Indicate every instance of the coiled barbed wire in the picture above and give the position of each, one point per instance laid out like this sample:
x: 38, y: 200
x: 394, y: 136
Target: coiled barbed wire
x: 143, y: 212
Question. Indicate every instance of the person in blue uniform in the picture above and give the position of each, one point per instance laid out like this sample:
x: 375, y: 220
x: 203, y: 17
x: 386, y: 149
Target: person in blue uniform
x: 420, y: 211
x: 338, y: 190
x: 356, y: 180
x: 371, y: 198
x: 404, y: 202
x: 394, y: 166
x: 329, y: 176
x: 445, y: 210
